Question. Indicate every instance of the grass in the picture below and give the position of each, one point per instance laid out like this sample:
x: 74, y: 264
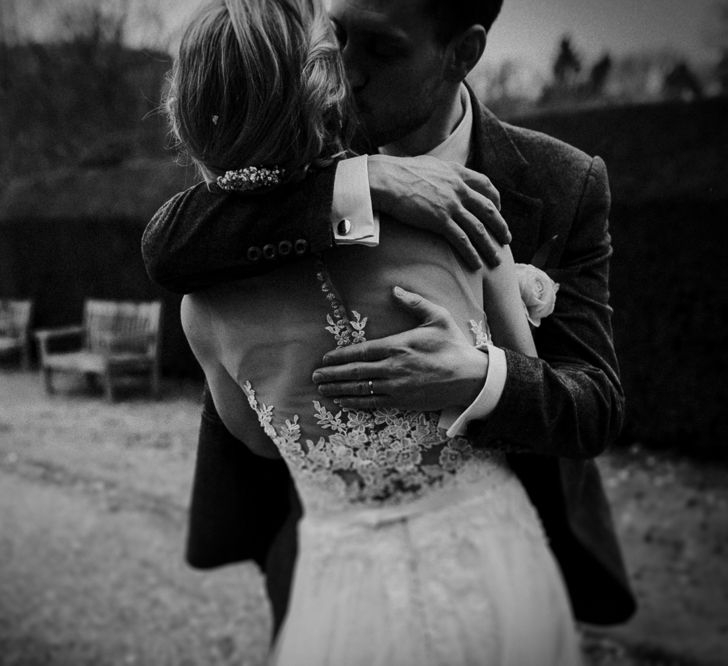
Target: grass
x: 93, y: 508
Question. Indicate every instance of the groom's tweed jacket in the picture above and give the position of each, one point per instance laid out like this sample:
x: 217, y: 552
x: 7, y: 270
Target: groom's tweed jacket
x: 555, y: 414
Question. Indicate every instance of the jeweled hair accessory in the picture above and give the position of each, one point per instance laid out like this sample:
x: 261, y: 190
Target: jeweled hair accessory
x: 250, y: 178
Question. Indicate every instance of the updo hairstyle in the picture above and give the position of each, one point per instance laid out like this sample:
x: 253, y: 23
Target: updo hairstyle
x: 259, y: 82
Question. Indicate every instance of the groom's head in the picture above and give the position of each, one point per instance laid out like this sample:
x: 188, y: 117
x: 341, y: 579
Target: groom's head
x: 405, y: 59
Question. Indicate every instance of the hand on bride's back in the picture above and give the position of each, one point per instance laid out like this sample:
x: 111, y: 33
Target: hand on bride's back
x: 426, y: 368
x: 443, y: 197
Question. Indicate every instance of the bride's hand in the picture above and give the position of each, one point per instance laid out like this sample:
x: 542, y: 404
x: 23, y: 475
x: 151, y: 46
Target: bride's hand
x: 426, y: 368
x: 443, y: 197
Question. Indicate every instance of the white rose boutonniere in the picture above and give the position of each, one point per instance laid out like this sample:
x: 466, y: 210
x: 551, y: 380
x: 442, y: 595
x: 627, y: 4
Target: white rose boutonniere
x: 538, y: 292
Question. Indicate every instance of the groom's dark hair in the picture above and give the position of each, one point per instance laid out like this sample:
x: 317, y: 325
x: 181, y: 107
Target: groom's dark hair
x: 453, y: 16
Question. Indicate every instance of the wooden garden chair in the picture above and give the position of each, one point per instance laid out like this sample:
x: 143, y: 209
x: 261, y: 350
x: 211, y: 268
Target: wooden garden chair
x: 116, y: 339
x: 15, y: 319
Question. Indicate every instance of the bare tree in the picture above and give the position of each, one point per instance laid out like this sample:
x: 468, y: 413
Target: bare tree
x: 83, y: 95
x: 567, y: 64
x: 682, y: 83
x: 639, y: 77
x: 599, y: 74
x: 92, y: 24
x: 721, y: 72
x: 716, y: 33
x: 717, y: 37
x: 8, y: 38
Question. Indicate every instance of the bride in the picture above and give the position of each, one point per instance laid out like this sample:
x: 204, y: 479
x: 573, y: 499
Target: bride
x: 415, y: 548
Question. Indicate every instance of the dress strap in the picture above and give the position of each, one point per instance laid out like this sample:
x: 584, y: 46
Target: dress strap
x: 347, y: 330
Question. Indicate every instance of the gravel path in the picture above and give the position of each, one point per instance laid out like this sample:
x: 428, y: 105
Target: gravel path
x: 92, y: 523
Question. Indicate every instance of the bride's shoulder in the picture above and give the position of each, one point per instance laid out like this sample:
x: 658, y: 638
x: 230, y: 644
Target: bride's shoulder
x: 197, y: 324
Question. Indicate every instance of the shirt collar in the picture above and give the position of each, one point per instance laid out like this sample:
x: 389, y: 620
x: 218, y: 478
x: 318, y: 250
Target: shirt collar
x: 456, y: 147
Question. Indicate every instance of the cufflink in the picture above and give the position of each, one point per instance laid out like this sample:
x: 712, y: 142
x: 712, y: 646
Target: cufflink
x: 343, y: 227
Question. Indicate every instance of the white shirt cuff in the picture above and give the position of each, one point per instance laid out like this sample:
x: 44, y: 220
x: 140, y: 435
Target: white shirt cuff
x: 487, y: 399
x: 352, y: 218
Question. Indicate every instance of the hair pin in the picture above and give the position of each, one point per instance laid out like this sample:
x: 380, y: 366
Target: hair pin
x: 250, y: 178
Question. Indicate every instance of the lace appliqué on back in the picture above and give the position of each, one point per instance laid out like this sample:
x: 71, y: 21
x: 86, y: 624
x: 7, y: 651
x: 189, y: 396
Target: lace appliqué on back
x: 480, y: 332
x: 369, y: 457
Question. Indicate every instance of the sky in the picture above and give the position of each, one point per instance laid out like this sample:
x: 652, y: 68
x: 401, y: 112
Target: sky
x: 529, y: 30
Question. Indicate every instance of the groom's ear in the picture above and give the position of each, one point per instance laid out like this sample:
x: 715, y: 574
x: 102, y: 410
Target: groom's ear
x: 464, y: 51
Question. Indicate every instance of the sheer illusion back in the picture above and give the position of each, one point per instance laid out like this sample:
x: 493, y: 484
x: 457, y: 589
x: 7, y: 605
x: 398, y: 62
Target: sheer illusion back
x: 290, y: 318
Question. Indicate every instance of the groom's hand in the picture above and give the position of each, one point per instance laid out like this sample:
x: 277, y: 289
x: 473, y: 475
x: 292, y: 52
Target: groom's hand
x: 443, y: 197
x: 426, y: 368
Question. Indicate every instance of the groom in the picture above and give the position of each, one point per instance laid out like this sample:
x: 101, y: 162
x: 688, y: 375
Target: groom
x: 406, y: 61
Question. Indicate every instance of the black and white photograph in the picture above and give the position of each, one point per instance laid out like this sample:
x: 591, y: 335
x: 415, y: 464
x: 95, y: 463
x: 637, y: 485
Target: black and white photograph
x: 363, y: 333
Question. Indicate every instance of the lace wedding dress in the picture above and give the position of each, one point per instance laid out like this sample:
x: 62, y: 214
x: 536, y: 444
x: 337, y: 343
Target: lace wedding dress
x: 414, y: 549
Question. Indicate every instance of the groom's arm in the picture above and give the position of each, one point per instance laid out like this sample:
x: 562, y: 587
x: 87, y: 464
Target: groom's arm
x: 570, y: 401
x: 200, y: 238
x: 567, y: 403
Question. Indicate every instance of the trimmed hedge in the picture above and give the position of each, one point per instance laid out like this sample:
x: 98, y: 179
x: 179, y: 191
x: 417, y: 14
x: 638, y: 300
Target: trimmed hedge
x: 668, y: 170
x: 669, y: 282
x: 76, y: 234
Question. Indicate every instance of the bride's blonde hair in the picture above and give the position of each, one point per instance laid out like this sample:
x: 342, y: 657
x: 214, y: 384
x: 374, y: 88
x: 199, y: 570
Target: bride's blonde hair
x: 259, y: 82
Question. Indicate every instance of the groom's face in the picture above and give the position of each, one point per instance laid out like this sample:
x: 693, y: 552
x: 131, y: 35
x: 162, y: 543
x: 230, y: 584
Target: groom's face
x: 394, y: 62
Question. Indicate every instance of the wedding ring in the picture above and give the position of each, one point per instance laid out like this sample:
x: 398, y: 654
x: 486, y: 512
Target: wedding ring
x: 371, y: 387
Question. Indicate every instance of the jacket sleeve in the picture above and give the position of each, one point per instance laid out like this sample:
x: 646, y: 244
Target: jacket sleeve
x: 569, y: 401
x: 228, y: 519
x: 200, y: 238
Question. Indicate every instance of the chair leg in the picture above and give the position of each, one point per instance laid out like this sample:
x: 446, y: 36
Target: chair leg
x: 91, y: 381
x: 48, y: 380
x: 154, y: 382
x: 108, y: 385
x: 25, y: 358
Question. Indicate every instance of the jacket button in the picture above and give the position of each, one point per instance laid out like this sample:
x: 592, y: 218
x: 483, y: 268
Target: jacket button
x: 343, y: 227
x: 284, y: 248
x: 300, y: 246
x: 269, y: 251
x: 253, y: 253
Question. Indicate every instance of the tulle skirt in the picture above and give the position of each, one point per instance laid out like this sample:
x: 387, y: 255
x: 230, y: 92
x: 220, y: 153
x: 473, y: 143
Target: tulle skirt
x: 460, y: 578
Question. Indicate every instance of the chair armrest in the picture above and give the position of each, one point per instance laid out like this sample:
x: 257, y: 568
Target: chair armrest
x: 64, y: 331
x: 44, y: 336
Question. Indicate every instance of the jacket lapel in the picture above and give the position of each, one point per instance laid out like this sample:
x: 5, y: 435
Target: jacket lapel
x: 494, y: 154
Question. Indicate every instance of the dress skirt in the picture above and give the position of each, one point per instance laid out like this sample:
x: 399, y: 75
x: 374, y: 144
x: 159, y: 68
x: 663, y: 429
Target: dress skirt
x: 463, y: 577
